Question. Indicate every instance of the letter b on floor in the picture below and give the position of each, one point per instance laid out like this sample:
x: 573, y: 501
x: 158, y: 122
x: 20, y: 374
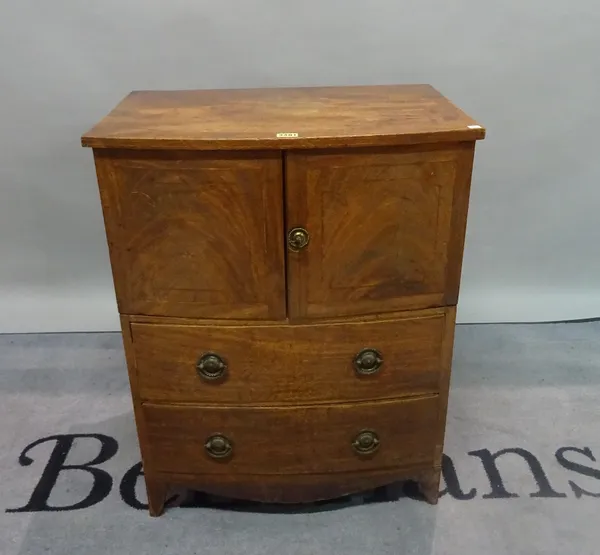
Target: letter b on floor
x: 101, y: 480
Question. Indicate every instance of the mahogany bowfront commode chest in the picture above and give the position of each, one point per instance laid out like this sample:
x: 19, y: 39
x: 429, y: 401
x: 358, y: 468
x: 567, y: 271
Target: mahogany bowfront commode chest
x: 286, y: 265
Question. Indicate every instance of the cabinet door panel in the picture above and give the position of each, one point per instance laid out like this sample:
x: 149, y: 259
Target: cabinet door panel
x: 195, y: 234
x: 386, y: 228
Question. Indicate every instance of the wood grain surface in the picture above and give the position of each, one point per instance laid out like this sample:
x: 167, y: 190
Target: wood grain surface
x: 381, y: 222
x: 291, y: 364
x: 395, y: 315
x: 460, y: 208
x: 304, y: 488
x: 156, y: 487
x: 199, y: 190
x: 291, y: 440
x: 446, y: 366
x: 195, y: 234
x: 252, y: 118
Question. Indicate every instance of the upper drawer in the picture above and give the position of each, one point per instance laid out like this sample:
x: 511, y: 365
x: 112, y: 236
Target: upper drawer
x: 195, y: 234
x: 273, y: 364
x: 385, y: 228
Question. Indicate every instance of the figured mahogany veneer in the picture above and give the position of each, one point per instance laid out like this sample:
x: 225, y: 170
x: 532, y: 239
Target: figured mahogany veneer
x: 287, y: 265
x: 280, y: 364
x: 322, y: 437
x: 381, y: 226
x: 247, y: 119
x: 170, y: 216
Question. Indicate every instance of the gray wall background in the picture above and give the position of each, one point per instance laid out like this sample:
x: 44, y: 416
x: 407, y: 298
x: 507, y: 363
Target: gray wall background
x: 529, y: 71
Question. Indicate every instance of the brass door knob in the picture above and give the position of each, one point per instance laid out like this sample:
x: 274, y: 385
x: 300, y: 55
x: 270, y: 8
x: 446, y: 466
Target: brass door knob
x: 218, y: 446
x: 298, y: 238
x: 367, y: 362
x: 211, y: 366
x: 366, y: 442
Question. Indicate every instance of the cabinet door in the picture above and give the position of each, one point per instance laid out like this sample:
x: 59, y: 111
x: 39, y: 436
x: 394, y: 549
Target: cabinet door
x: 385, y: 228
x: 195, y: 234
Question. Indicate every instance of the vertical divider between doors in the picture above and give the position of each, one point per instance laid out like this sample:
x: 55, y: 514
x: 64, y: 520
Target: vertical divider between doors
x: 285, y: 231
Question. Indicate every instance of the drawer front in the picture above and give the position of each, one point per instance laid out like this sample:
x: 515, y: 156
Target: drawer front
x: 328, y: 438
x: 273, y: 364
x: 385, y: 228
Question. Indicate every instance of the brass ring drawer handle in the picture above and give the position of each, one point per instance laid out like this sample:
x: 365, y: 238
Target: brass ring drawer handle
x: 366, y: 442
x: 218, y: 446
x: 211, y: 366
x: 298, y: 239
x: 367, y: 362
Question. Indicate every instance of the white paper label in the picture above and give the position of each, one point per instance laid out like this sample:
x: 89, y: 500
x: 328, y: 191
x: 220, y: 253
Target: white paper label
x: 287, y: 135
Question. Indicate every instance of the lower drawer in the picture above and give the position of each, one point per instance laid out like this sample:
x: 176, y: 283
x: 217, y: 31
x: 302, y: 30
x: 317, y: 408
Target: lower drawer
x: 313, y: 439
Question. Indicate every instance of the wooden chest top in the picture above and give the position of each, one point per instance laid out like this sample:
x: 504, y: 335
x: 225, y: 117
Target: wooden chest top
x: 283, y: 118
